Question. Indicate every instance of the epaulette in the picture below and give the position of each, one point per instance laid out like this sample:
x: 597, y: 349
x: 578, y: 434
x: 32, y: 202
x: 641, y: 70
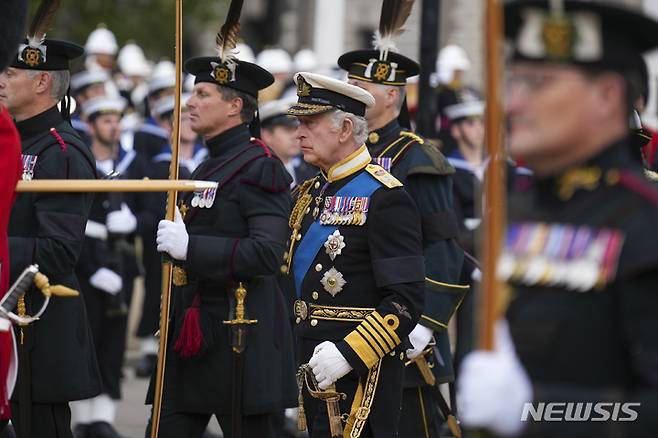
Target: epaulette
x: 435, y: 162
x: 381, y: 175
x: 412, y: 136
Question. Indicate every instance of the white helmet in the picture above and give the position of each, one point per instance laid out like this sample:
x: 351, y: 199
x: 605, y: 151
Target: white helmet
x: 244, y: 53
x: 163, y: 76
x: 305, y: 60
x: 101, y: 42
x: 132, y: 61
x: 275, y: 61
x: 450, y: 59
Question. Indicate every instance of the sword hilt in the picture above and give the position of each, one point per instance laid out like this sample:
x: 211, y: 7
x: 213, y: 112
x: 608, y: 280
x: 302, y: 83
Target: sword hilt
x: 240, y: 295
x: 20, y: 286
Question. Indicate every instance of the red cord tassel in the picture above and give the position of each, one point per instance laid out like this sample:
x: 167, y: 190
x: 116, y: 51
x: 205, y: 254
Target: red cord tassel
x: 190, y: 339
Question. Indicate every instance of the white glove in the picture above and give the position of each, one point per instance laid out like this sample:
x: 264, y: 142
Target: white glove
x: 493, y: 387
x: 420, y: 336
x: 121, y: 221
x: 107, y: 281
x: 172, y: 237
x: 328, y: 364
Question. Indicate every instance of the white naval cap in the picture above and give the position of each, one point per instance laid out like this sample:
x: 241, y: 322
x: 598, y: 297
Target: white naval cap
x: 317, y: 94
x: 167, y: 104
x: 85, y: 78
x: 132, y: 61
x: 305, y: 60
x: 274, y: 60
x: 164, y: 76
x: 275, y: 112
x: 244, y: 53
x: 103, y: 105
x: 101, y: 42
x: 451, y: 58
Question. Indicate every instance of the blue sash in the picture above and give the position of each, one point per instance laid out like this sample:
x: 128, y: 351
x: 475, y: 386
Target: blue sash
x: 363, y: 185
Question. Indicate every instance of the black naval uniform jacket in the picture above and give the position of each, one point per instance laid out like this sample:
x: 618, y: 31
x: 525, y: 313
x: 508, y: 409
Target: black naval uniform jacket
x: 383, y: 270
x: 427, y: 177
x: 48, y: 229
x: 582, y: 263
x: 102, y: 249
x: 240, y: 238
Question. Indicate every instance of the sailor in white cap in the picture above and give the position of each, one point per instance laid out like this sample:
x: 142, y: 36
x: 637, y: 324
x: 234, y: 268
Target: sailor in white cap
x: 100, y: 270
x: 279, y: 131
x: 278, y: 62
x: 101, y: 49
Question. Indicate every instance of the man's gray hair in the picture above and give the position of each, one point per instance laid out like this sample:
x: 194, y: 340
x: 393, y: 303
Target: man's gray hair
x: 360, y: 124
x: 249, y: 102
x: 59, y: 82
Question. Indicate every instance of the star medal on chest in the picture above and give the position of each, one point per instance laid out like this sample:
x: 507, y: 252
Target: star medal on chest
x: 333, y: 281
x: 334, y: 244
x: 204, y: 198
x: 29, y: 163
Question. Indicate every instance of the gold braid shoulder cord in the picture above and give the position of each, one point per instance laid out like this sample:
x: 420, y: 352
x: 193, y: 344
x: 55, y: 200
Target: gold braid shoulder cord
x: 297, y: 215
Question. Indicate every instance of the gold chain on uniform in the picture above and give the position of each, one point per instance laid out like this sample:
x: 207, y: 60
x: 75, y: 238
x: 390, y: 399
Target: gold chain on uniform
x: 297, y: 215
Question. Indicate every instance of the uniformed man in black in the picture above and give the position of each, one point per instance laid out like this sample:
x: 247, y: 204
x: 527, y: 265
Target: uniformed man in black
x: 356, y: 258
x: 427, y: 177
x: 579, y: 254
x: 229, y: 238
x: 101, y: 271
x: 57, y: 360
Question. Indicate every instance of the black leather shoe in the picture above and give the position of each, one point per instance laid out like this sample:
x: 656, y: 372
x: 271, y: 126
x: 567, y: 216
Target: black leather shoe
x: 101, y: 429
x: 146, y: 365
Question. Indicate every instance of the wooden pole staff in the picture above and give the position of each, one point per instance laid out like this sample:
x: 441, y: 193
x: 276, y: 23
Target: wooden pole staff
x: 495, y: 205
x: 167, y: 267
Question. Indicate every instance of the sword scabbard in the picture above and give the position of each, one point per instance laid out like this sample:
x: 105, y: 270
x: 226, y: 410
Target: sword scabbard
x: 333, y: 414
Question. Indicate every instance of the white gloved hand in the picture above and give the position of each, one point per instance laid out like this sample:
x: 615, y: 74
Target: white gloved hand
x: 172, y: 237
x: 107, y: 281
x: 419, y: 337
x: 328, y: 364
x: 493, y: 387
x: 121, y: 221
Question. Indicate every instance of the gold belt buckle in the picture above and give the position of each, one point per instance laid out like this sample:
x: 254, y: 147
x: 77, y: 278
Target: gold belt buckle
x: 301, y: 309
x: 362, y: 413
x: 179, y: 276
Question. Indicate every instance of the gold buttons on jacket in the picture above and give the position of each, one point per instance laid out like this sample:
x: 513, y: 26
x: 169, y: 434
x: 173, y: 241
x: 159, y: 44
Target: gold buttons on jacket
x: 318, y: 267
x: 317, y: 185
x: 314, y: 322
x: 315, y: 295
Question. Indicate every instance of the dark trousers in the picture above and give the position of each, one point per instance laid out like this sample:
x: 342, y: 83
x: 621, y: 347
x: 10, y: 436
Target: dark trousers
x: 176, y: 424
x: 109, y: 331
x: 420, y: 416
x: 51, y: 420
x: 182, y: 424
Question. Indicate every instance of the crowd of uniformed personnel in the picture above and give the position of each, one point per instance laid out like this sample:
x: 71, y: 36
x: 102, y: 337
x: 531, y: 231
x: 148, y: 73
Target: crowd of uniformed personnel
x: 314, y: 289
